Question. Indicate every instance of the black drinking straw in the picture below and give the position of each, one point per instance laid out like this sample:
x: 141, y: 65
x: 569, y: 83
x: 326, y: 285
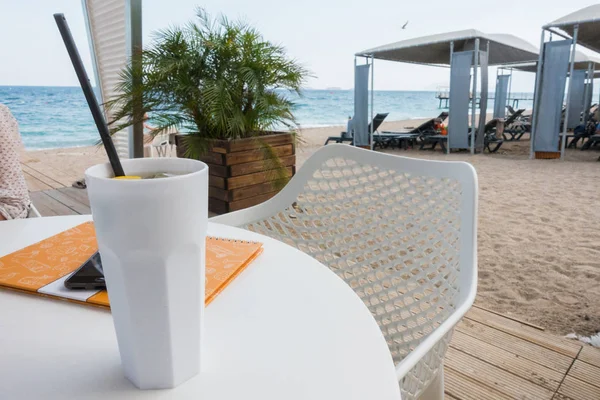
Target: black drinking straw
x: 84, y: 82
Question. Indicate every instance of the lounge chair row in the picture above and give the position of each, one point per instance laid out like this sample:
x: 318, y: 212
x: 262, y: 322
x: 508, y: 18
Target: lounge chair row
x: 425, y: 134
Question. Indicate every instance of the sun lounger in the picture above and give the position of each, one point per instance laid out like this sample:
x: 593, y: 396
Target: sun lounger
x: 428, y: 127
x: 592, y: 141
x: 430, y: 142
x: 345, y: 137
x: 515, y: 127
x: 582, y: 132
x: 490, y: 141
x: 387, y: 139
x: 511, y: 110
x: 408, y: 136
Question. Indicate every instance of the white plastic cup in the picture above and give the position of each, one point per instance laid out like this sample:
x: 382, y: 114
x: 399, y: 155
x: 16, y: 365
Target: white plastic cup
x: 151, y: 237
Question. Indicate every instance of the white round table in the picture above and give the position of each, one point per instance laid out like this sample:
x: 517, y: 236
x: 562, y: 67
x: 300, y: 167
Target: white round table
x: 286, y: 328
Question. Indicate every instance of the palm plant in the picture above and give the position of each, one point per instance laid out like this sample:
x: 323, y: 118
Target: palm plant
x: 212, y: 79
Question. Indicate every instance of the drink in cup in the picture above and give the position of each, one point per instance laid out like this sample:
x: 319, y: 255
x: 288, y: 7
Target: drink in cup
x: 151, y: 234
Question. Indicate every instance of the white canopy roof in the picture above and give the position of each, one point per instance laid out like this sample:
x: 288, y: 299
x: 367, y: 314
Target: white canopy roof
x: 435, y: 49
x: 588, y: 19
x: 581, y: 62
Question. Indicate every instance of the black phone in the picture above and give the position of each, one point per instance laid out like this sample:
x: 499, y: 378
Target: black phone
x: 88, y: 276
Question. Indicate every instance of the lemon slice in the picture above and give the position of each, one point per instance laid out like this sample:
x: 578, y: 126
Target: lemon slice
x: 128, y: 177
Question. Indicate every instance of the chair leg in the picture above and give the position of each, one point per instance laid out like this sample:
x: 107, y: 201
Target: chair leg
x: 435, y: 390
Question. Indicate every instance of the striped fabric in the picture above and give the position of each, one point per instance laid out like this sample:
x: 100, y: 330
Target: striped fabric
x: 107, y: 33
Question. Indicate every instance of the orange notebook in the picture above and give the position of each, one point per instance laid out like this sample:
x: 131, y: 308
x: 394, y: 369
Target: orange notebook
x: 43, y: 267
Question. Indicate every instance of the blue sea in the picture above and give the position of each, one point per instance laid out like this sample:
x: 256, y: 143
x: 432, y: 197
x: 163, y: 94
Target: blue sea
x: 56, y: 117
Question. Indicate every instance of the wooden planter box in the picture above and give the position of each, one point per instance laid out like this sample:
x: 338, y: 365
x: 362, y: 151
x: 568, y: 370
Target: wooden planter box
x: 547, y: 155
x: 241, y: 172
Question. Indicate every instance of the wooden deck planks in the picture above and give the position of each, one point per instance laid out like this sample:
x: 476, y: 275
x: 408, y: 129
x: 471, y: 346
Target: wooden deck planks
x: 58, y: 202
x: 515, y: 345
x: 48, y: 206
x: 492, y: 357
x: 51, y: 171
x: 40, y: 176
x: 463, y: 387
x: 34, y: 184
x: 491, y: 376
x: 508, y: 361
x: 586, y: 372
x: 563, y: 346
x: 78, y: 194
x: 69, y: 201
x: 590, y: 355
x: 575, y: 389
x: 449, y: 397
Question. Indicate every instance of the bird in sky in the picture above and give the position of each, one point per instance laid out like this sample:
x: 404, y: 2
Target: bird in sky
x: 404, y: 26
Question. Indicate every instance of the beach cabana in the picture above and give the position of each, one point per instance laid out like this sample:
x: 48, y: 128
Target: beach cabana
x: 582, y: 62
x: 585, y: 70
x: 114, y: 30
x: 557, y: 60
x: 464, y: 52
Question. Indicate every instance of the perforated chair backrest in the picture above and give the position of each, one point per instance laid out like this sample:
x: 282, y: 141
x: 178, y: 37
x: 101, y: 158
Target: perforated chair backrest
x: 399, y: 231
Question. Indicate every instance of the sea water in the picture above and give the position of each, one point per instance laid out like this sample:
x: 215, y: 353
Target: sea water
x: 57, y: 117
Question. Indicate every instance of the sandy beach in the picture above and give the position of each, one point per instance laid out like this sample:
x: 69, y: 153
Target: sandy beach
x: 539, y: 258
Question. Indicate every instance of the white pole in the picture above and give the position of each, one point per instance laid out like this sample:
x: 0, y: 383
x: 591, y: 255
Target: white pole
x: 588, y: 87
x: 450, y: 94
x: 572, y: 66
x: 474, y: 100
x: 354, y: 115
x: 372, y: 96
x: 509, y: 87
x: 498, y: 71
x: 536, y: 92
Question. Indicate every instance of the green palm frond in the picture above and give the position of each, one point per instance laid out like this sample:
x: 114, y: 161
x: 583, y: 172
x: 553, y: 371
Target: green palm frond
x: 211, y: 78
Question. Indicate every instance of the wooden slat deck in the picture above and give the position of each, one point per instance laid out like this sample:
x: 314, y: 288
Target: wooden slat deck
x: 62, y: 201
x: 491, y: 356
x: 496, y: 357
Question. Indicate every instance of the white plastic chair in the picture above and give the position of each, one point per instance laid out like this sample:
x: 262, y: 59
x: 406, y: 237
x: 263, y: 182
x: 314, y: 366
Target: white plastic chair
x: 400, y: 231
x: 160, y: 143
x: 163, y: 142
x: 33, y: 212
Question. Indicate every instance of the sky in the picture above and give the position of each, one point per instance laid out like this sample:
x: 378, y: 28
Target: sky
x: 323, y: 35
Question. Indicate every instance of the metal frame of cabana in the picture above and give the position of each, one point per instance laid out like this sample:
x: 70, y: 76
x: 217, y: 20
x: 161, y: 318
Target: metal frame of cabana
x: 580, y: 27
x: 437, y: 50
